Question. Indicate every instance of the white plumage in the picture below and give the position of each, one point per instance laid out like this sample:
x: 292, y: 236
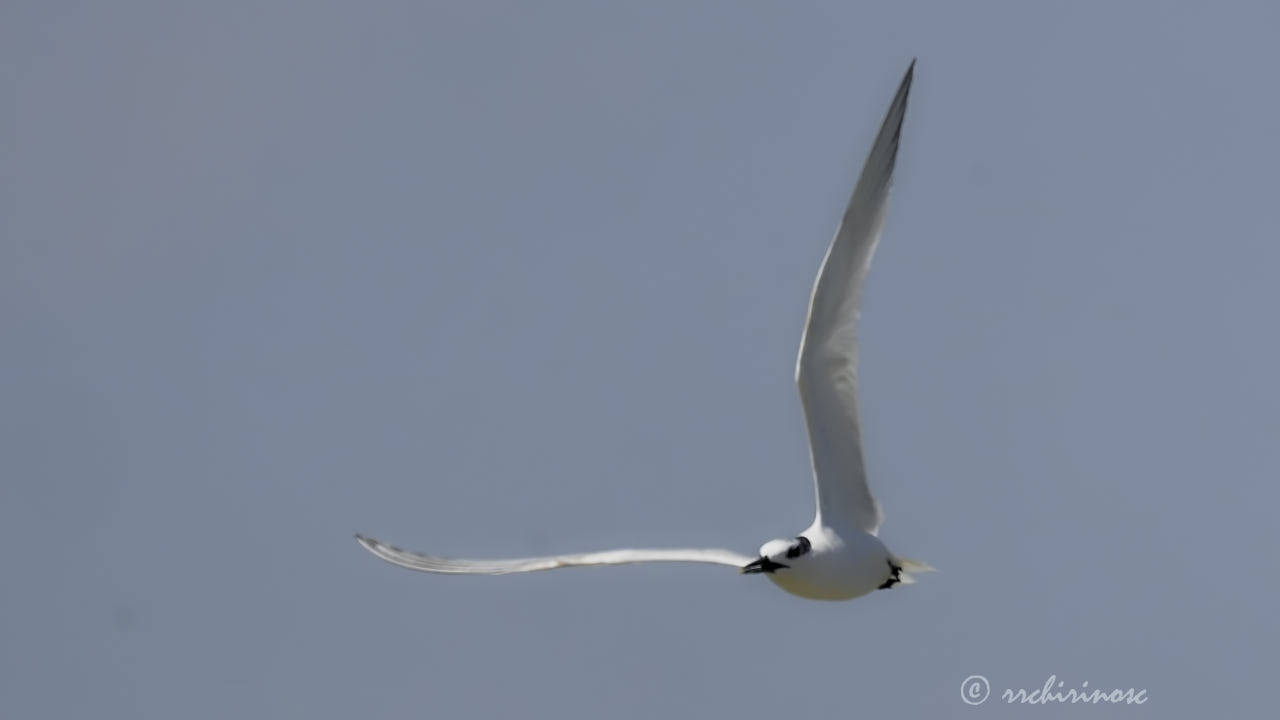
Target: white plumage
x: 839, y: 556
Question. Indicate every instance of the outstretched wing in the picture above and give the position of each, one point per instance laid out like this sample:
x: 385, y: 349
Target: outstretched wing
x: 826, y: 370
x: 458, y: 566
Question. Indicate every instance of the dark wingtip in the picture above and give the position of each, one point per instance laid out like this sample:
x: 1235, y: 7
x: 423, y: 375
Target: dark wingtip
x: 899, y: 107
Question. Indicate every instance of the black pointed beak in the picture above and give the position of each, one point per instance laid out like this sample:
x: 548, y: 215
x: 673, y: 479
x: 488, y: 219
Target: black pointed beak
x: 761, y: 565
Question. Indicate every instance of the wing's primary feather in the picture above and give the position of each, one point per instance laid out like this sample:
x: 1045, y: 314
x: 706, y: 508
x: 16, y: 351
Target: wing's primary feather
x: 458, y: 566
x: 826, y: 370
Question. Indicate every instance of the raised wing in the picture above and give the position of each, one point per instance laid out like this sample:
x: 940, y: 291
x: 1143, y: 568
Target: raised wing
x: 457, y: 566
x: 826, y: 371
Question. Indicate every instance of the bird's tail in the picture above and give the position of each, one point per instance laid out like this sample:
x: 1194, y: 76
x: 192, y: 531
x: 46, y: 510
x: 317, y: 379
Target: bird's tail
x: 910, y: 566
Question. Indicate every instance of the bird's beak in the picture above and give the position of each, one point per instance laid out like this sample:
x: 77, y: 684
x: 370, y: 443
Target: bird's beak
x: 761, y: 565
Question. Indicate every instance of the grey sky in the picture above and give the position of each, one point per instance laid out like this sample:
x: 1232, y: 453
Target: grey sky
x: 505, y: 278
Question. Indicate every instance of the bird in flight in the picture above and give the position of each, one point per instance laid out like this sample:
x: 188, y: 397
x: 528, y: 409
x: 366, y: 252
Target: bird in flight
x: 839, y: 556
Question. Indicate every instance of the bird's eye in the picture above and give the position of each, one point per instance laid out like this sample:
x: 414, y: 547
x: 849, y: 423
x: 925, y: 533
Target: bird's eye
x: 801, y: 547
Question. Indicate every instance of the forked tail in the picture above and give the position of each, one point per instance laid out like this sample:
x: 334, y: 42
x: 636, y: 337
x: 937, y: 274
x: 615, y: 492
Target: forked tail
x: 910, y: 566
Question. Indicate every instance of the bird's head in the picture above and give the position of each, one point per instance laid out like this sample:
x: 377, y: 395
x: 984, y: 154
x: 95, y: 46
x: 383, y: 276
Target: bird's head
x: 776, y: 555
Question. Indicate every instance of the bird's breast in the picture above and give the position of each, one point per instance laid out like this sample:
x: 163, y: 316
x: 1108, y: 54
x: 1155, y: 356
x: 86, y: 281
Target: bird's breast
x: 840, y: 571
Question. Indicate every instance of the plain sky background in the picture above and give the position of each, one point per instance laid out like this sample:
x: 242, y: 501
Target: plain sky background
x: 512, y: 278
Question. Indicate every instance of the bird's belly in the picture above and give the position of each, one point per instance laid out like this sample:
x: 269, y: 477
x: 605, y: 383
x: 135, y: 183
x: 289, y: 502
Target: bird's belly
x: 834, y: 577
